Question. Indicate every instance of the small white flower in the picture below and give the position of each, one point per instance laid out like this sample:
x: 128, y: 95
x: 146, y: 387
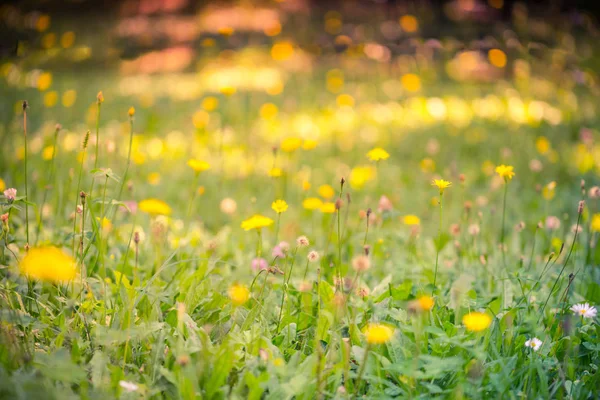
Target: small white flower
x: 302, y: 241
x: 584, y: 310
x: 534, y: 343
x: 129, y: 386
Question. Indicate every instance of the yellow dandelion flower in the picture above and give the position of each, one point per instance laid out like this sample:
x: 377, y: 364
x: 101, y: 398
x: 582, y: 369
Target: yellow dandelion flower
x: 131, y: 111
x: 239, y: 294
x: 542, y: 145
x: 279, y: 206
x: 441, y: 184
x: 47, y: 153
x: 312, y: 203
x: 256, y: 222
x: 154, y: 207
x: 309, y: 144
x: 49, y: 264
x: 360, y: 175
x: 2, y: 185
x: 411, y: 220
x: 328, y: 207
x: 505, y: 171
x: 291, y: 144
x: 476, y: 321
x: 378, y: 154
x: 425, y: 302
x: 275, y: 172
x: 378, y: 333
x: 326, y: 191
x: 595, y: 225
x: 305, y: 185
x: 197, y: 165
x: 153, y: 178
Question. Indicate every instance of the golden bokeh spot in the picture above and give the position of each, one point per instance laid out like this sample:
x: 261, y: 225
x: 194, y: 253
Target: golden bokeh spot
x: 48, y: 40
x: 409, y: 23
x: 67, y: 39
x: 44, y: 81
x: 411, y: 82
x: 68, y: 98
x: 282, y: 51
x: 43, y: 23
x: 268, y: 111
x: 497, y: 58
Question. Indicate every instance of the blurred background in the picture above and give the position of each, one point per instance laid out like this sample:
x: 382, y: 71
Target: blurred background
x: 335, y: 72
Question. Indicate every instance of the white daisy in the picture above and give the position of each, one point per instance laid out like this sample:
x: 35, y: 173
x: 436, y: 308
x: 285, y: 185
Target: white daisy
x: 584, y: 310
x: 534, y: 343
x: 129, y: 386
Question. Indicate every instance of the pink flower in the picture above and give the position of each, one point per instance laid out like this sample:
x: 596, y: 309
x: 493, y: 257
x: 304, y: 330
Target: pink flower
x: 552, y: 223
x: 385, y: 204
x: 278, y: 252
x: 10, y: 194
x: 258, y: 264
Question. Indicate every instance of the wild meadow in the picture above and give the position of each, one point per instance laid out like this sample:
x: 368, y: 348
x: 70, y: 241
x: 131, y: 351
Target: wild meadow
x: 290, y: 201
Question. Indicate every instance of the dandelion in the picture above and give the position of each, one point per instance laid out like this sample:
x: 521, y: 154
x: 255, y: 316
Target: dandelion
x: 291, y: 144
x: 239, y: 294
x: 302, y: 241
x: 312, y: 203
x: 328, y: 207
x: 326, y: 191
x: 378, y: 333
x: 279, y: 206
x: 198, y: 165
x: 533, y: 343
x: 584, y: 310
x: 154, y: 207
x: 131, y: 112
x: 411, y: 220
x: 476, y: 321
x: 256, y: 222
x: 378, y: 154
x: 441, y: 184
x: 49, y: 264
x: 505, y: 172
x: 10, y: 194
x: 425, y: 302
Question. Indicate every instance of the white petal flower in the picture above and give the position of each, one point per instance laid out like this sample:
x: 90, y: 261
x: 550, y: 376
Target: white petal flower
x: 584, y: 310
x: 534, y: 343
x: 129, y: 386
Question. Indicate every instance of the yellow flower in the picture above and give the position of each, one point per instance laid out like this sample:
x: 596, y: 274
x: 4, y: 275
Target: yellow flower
x: 305, y: 185
x: 256, y: 222
x: 312, y: 203
x: 153, y: 178
x: 360, y: 175
x: 291, y: 144
x: 275, y: 172
x: 198, y: 165
x: 328, y: 207
x: 411, y: 220
x: 326, y: 191
x: 378, y: 154
x: 441, y: 184
x: 476, y: 321
x: 309, y: 144
x: 2, y: 185
x: 542, y: 145
x: 549, y: 191
x: 48, y: 152
x: 131, y: 111
x: 154, y: 207
x: 279, y: 206
x: 505, y: 171
x: 425, y: 302
x: 239, y: 294
x: 596, y: 222
x: 48, y: 264
x: 378, y: 333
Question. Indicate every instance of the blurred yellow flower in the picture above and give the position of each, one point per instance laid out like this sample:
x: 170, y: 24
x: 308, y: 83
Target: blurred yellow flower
x: 497, y: 58
x: 549, y: 191
x: 409, y: 23
x: 275, y: 172
x: 542, y: 145
x: 2, y: 185
x: 411, y: 220
x: 326, y: 191
x: 256, y: 222
x: 427, y: 165
x: 360, y: 175
x: 131, y: 111
x: 49, y: 264
x: 279, y: 206
x: 197, y: 165
x: 312, y: 203
x: 291, y: 144
x: 505, y: 171
x: 378, y: 154
x: 328, y: 207
x: 411, y: 82
x: 441, y: 184
x: 378, y: 333
x: 305, y: 185
x: 210, y: 103
x: 154, y: 207
x: 476, y: 321
x: 239, y: 294
x: 47, y: 152
x: 153, y: 178
x: 426, y: 302
x: 309, y: 144
x: 595, y: 225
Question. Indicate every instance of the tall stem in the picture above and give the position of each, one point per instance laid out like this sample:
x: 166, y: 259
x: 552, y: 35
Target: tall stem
x: 128, y: 157
x: 26, y: 178
x: 439, y: 241
x: 50, y: 182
